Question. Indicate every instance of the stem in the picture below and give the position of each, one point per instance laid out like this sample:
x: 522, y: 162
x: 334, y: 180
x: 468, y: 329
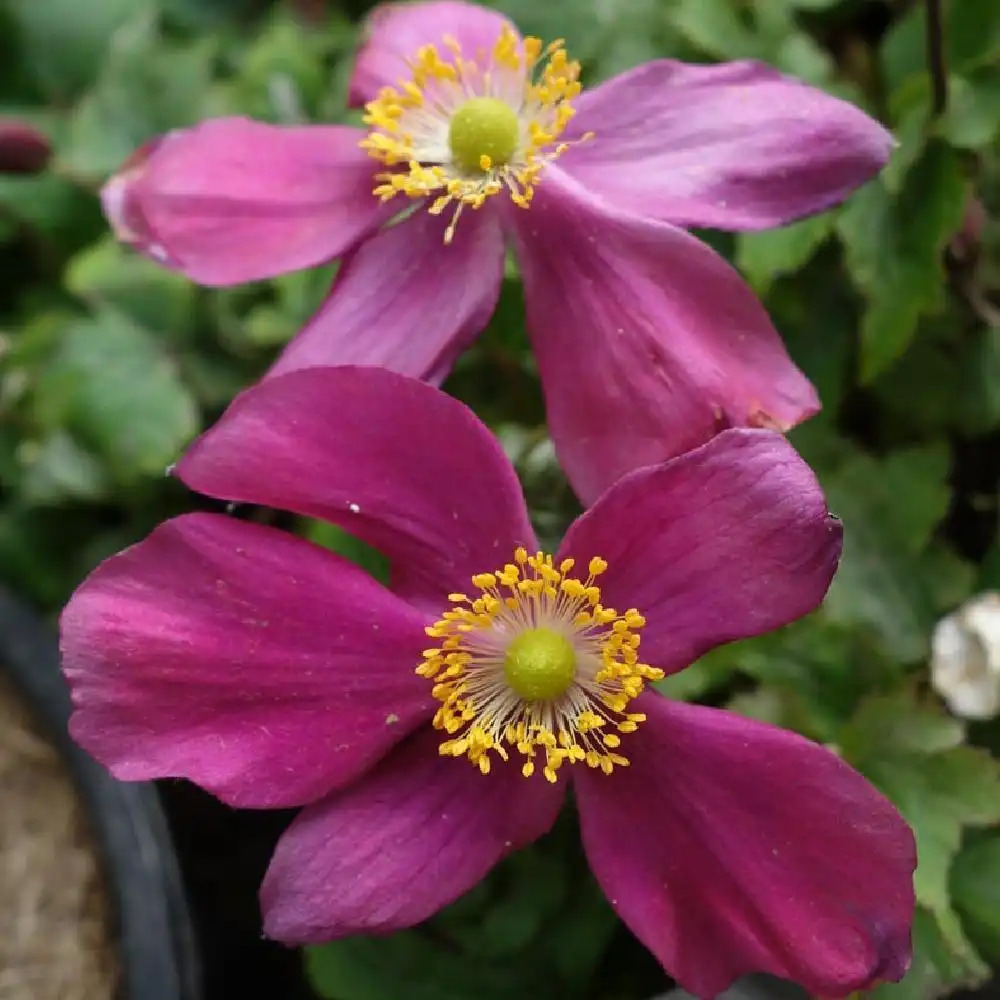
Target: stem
x: 936, y: 58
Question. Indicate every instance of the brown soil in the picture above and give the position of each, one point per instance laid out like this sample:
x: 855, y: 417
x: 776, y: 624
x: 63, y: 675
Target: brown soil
x: 56, y: 941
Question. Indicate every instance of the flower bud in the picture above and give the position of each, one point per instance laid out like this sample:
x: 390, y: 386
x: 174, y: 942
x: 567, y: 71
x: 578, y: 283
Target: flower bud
x: 23, y: 149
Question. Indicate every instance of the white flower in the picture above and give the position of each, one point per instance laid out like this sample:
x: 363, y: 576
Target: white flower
x: 965, y: 658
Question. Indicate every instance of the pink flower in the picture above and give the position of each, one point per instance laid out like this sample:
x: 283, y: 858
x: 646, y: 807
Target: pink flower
x: 648, y: 342
x: 431, y: 727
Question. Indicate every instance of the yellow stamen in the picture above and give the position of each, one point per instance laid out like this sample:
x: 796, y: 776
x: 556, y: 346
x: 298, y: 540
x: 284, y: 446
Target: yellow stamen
x: 586, y: 652
x: 461, y: 131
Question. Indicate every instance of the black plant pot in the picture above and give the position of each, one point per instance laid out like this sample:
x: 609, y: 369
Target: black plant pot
x: 155, y: 943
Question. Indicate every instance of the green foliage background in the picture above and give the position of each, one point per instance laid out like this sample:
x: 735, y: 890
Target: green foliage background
x: 891, y: 304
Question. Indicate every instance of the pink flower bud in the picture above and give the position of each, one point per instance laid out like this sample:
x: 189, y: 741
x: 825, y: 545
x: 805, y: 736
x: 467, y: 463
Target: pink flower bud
x: 23, y: 149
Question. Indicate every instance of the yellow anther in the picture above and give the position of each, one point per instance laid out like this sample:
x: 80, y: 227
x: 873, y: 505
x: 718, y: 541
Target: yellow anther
x: 504, y: 146
x: 535, y: 664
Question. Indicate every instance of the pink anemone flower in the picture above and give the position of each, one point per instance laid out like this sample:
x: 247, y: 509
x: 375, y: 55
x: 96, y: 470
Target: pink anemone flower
x: 432, y: 726
x: 477, y: 139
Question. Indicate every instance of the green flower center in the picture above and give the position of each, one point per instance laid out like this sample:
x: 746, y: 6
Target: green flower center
x: 539, y: 665
x: 483, y: 133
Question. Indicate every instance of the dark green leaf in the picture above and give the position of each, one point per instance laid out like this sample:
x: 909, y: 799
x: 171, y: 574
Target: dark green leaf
x: 975, y: 888
x: 111, y: 383
x: 765, y: 256
x: 894, y: 250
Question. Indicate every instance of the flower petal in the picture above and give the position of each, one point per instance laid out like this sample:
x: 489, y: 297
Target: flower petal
x: 234, y: 200
x: 728, y: 541
x: 648, y: 342
x: 395, y: 462
x: 394, y: 32
x: 735, y: 146
x: 729, y: 846
x: 403, y: 842
x: 405, y: 301
x: 257, y: 665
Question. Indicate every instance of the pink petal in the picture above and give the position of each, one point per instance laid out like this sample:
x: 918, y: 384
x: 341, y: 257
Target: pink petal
x: 394, y: 32
x: 257, y: 665
x: 405, y: 301
x: 234, y: 200
x: 406, y: 840
x: 396, y: 462
x: 728, y: 541
x: 735, y: 146
x: 729, y: 847
x: 648, y: 342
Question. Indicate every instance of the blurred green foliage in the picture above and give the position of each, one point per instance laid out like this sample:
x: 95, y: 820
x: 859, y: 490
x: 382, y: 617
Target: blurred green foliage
x: 891, y: 304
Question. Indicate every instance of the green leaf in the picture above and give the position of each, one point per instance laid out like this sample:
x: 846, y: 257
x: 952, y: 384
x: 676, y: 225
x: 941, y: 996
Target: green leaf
x: 898, y: 722
x: 911, y: 128
x: 889, y: 510
x: 767, y: 255
x: 957, y: 384
x: 810, y: 4
x: 894, y: 250
x: 112, y: 385
x: 63, y: 215
x: 584, y: 24
x: 972, y: 34
x: 409, y: 963
x: 906, y: 493
x: 716, y: 27
x: 635, y: 32
x: 334, y: 538
x: 282, y: 77
x: 108, y: 273
x: 817, y: 322
x: 57, y: 469
x: 975, y: 888
x: 812, y: 674
x: 65, y: 41
x: 786, y: 47
x: 712, y: 671
x: 972, y: 118
x: 939, y: 795
x: 903, y: 51
x: 147, y: 86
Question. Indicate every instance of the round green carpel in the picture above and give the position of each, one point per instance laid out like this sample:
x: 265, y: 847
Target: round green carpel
x: 483, y: 127
x: 539, y: 665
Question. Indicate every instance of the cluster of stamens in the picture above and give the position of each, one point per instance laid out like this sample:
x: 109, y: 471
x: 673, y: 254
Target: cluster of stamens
x: 520, y: 93
x: 574, y: 707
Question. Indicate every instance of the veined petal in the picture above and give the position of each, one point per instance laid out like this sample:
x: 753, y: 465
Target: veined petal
x: 259, y: 666
x: 734, y: 146
x: 234, y: 200
x: 406, y: 301
x: 729, y: 847
x: 395, y: 462
x: 724, y: 542
x: 394, y: 32
x: 648, y: 342
x: 403, y: 842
